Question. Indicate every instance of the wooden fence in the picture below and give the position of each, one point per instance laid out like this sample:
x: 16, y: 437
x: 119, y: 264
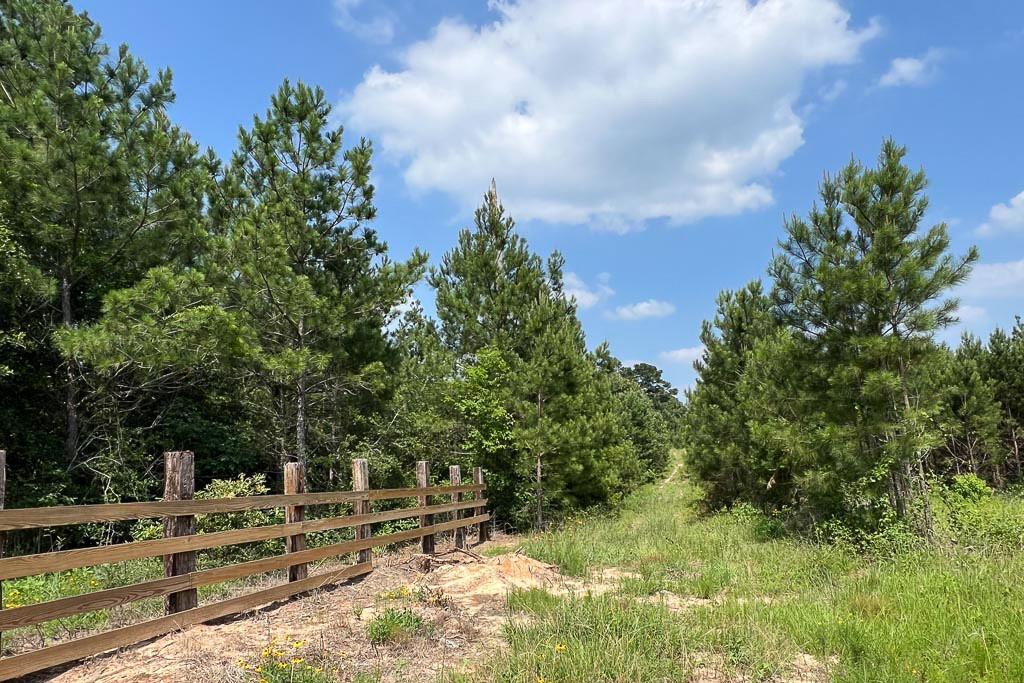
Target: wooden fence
x: 180, y: 543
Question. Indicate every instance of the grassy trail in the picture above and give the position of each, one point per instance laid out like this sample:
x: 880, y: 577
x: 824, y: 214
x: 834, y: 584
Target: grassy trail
x: 710, y: 598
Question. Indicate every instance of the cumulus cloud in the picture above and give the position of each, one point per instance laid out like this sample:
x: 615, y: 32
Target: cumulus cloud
x: 971, y: 314
x: 379, y: 28
x: 994, y: 281
x: 687, y: 354
x: 1008, y: 217
x: 832, y: 92
x: 585, y: 295
x: 912, y: 70
x: 652, y: 308
x: 603, y: 111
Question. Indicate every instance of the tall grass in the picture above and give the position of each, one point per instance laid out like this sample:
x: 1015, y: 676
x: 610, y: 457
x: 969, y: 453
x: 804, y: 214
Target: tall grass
x: 757, y: 604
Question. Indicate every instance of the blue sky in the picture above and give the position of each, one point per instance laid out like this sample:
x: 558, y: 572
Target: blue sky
x: 657, y: 145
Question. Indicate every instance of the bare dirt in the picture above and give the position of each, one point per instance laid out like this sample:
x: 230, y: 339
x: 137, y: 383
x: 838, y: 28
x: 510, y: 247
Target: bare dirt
x: 459, y: 595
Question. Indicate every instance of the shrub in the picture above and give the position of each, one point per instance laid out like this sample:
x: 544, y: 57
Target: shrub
x: 970, y: 487
x: 764, y: 527
x: 255, y: 485
x: 977, y: 517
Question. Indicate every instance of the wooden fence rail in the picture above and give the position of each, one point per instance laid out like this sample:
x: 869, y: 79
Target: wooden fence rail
x: 181, y: 542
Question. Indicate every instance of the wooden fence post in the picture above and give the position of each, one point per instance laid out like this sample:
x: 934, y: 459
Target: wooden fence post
x: 3, y: 535
x: 422, y: 482
x: 295, y: 482
x: 483, y: 528
x: 455, y: 474
x: 361, y: 482
x: 180, y: 484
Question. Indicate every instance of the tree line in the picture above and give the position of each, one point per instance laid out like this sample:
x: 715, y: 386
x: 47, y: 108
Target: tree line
x: 156, y: 297
x: 826, y: 397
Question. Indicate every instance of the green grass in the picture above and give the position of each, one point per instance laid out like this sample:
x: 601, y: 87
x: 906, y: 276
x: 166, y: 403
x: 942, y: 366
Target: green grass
x: 394, y: 625
x: 947, y: 613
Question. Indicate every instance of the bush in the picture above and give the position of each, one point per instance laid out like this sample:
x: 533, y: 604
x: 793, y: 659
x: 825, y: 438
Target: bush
x: 970, y: 487
x: 975, y: 516
x: 255, y: 485
x: 764, y: 527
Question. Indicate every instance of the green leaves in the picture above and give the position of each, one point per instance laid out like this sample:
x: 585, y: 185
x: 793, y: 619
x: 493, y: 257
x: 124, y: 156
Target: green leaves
x: 823, y: 401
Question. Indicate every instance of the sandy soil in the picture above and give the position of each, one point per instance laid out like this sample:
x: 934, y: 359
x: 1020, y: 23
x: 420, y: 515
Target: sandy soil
x: 460, y: 595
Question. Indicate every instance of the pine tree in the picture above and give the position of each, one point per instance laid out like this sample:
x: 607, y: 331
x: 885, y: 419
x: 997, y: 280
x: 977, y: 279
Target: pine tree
x: 970, y: 416
x: 721, y: 450
x: 496, y: 298
x: 862, y: 282
x: 486, y: 282
x: 1003, y: 365
x: 283, y: 318
x: 98, y: 186
x: 304, y: 269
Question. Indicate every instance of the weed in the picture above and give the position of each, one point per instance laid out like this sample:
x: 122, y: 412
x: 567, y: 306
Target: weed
x: 394, y: 625
x: 284, y: 662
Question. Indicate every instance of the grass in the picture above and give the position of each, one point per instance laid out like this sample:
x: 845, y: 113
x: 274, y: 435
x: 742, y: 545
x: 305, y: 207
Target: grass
x: 757, y: 605
x: 394, y: 625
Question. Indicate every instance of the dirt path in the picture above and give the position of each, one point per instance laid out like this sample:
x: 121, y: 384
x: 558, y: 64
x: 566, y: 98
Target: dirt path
x: 460, y: 597
x: 671, y: 475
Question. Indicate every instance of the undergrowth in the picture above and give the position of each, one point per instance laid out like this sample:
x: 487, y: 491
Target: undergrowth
x: 758, y: 602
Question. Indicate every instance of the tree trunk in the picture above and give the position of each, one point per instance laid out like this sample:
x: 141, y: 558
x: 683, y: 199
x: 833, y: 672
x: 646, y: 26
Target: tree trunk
x: 539, y: 494
x: 539, y: 457
x: 908, y: 473
x: 300, y: 422
x: 1015, y: 443
x: 300, y: 408
x: 70, y: 385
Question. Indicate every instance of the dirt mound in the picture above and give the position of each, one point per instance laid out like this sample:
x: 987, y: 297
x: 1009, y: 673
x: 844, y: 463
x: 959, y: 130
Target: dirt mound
x: 459, y: 595
x: 476, y: 583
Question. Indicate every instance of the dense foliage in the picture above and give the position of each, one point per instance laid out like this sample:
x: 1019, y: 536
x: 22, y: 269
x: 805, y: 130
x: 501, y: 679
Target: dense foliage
x: 829, y: 397
x: 153, y: 297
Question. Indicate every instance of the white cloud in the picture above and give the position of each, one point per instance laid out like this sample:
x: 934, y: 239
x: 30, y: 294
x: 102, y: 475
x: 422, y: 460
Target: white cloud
x: 379, y: 28
x: 969, y: 314
x: 913, y: 70
x: 652, y: 308
x: 994, y: 281
x: 585, y: 295
x: 605, y: 111
x: 832, y: 92
x: 687, y: 354
x: 1008, y: 217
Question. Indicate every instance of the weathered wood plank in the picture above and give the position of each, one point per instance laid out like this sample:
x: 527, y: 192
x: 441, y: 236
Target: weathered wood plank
x: 180, y: 484
x: 423, y: 481
x: 63, y: 515
x: 360, y: 483
x: 295, y: 482
x: 29, y: 565
x: 459, y: 535
x: 113, y: 597
x: 19, y: 665
x: 64, y: 607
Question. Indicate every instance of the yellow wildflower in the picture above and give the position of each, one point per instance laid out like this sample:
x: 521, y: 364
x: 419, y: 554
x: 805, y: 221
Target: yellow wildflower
x: 560, y: 647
